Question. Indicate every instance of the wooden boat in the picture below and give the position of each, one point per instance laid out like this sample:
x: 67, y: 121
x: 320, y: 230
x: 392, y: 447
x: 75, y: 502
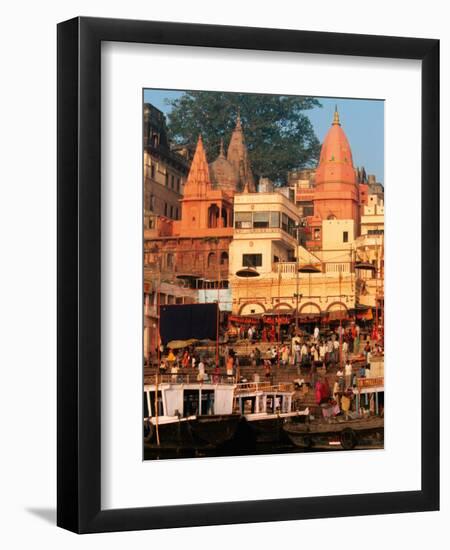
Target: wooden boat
x: 337, y: 433
x: 265, y: 408
x: 185, y: 413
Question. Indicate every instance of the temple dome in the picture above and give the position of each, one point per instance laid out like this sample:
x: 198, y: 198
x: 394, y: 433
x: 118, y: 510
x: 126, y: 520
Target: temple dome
x: 223, y: 174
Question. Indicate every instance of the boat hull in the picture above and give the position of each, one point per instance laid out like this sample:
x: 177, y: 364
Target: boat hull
x: 270, y: 428
x: 215, y: 429
x: 195, y: 433
x: 338, y: 435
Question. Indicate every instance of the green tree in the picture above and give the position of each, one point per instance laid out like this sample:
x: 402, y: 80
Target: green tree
x: 279, y: 136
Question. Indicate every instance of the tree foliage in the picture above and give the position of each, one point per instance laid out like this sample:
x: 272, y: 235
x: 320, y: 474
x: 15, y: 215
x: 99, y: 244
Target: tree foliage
x: 278, y: 134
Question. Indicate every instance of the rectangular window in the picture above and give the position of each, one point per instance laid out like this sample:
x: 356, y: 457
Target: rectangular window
x: 274, y: 219
x: 243, y: 220
x: 145, y: 405
x: 261, y: 219
x: 252, y: 260
x: 178, y: 185
x: 207, y: 402
x: 173, y: 182
x: 284, y: 222
x: 152, y: 171
x: 291, y: 227
x: 152, y: 404
x: 345, y: 237
x: 190, y: 402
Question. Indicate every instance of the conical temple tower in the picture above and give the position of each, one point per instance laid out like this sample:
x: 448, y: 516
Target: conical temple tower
x: 205, y: 210
x: 237, y: 155
x: 336, y: 193
x: 198, y: 181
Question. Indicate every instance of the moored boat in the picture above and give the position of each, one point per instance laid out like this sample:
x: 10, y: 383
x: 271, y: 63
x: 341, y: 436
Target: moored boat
x: 181, y: 412
x: 337, y: 433
x: 265, y: 408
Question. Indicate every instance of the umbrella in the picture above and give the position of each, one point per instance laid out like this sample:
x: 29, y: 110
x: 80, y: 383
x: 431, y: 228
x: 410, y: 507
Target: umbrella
x: 179, y: 344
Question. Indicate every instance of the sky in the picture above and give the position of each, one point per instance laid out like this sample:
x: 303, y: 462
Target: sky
x: 362, y: 120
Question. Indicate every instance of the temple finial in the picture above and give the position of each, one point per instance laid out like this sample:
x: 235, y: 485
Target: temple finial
x: 238, y: 118
x: 336, y: 117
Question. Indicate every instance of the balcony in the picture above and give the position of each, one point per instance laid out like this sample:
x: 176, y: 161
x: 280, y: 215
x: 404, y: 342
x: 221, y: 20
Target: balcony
x: 285, y: 267
x: 275, y: 233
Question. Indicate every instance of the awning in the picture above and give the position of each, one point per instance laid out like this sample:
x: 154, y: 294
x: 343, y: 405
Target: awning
x: 273, y: 318
x: 336, y: 316
x: 179, y: 344
x: 243, y: 319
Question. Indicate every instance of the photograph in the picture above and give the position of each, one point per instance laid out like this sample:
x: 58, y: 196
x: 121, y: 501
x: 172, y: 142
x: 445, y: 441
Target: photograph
x: 199, y: 302
x: 263, y: 274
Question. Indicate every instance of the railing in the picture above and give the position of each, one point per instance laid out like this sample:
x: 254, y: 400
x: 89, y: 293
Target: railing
x: 251, y: 387
x: 180, y: 378
x: 324, y: 267
x: 338, y: 267
x: 370, y: 382
x: 284, y: 267
x: 264, y: 230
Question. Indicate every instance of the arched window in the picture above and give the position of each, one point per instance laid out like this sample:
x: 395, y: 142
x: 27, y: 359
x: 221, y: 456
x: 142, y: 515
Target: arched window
x: 224, y: 258
x: 213, y: 216
x: 211, y: 259
x: 224, y: 217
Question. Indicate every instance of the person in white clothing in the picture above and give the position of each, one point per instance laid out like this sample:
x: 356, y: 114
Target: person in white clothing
x: 201, y: 371
x: 345, y: 350
x: 348, y: 374
x: 316, y: 333
x: 336, y: 351
x: 304, y: 353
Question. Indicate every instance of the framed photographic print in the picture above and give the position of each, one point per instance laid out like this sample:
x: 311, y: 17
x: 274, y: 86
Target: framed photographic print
x: 248, y: 259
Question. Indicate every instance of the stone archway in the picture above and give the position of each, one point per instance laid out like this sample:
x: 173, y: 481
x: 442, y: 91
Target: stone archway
x: 252, y: 308
x: 213, y: 216
x: 211, y: 259
x: 337, y: 306
x: 224, y: 259
x: 310, y: 308
x: 283, y: 306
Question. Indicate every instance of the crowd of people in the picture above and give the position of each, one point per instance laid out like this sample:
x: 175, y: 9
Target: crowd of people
x: 305, y: 351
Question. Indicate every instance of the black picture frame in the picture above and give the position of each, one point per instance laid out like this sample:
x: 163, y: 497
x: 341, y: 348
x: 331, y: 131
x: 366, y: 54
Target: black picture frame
x: 79, y: 276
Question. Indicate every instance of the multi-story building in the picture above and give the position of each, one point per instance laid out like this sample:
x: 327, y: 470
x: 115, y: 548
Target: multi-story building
x: 369, y: 249
x: 195, y: 248
x: 164, y: 169
x: 265, y: 239
x: 197, y: 244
